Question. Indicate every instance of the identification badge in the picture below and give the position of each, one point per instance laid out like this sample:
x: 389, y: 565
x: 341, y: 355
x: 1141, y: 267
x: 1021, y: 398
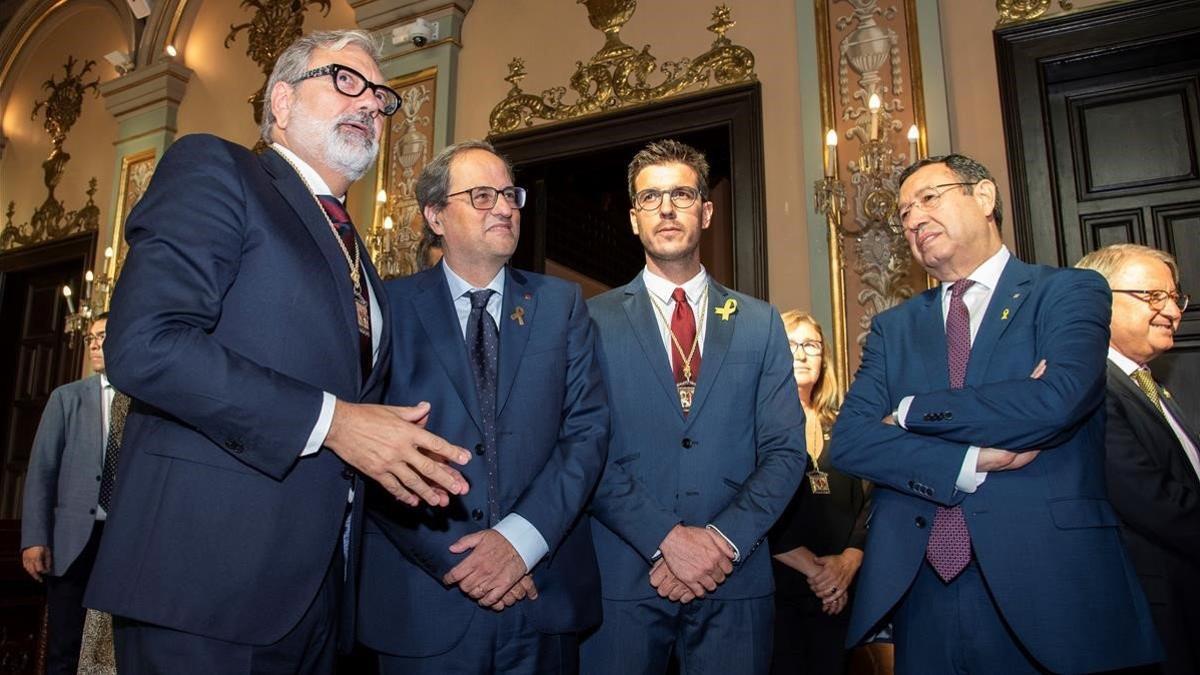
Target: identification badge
x: 687, y: 391
x: 819, y: 481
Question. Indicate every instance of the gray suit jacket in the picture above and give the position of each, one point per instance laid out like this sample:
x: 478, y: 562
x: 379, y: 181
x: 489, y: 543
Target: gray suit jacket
x: 62, y: 485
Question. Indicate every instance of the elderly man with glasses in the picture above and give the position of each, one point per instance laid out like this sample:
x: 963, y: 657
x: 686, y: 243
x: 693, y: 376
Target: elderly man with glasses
x: 977, y: 413
x: 1151, y: 461
x: 251, y: 331
x: 507, y: 360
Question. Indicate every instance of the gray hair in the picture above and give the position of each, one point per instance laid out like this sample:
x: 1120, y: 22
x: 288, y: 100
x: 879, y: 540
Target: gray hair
x: 967, y: 170
x: 1110, y: 259
x: 294, y: 60
x: 433, y: 186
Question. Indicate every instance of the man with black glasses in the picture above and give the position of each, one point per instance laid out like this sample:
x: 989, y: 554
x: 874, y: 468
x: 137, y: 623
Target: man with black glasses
x: 249, y: 328
x: 505, y: 576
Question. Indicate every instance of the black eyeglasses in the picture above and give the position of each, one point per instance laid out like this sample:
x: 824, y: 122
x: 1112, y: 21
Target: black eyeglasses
x: 682, y: 197
x: 809, y: 347
x: 484, y: 197
x: 96, y: 338
x: 927, y: 199
x: 1157, y: 299
x: 350, y: 82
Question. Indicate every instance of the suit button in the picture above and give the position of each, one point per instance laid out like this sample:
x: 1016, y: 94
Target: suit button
x: 912, y: 485
x: 92, y: 511
x: 476, y: 514
x: 233, y: 445
x: 948, y: 415
x: 347, y: 474
x: 920, y: 521
x: 97, y: 479
x: 928, y: 417
x: 686, y: 443
x: 479, y: 448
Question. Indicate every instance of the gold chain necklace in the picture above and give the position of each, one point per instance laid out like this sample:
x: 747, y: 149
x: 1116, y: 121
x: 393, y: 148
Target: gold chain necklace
x: 353, y: 262
x: 687, y: 358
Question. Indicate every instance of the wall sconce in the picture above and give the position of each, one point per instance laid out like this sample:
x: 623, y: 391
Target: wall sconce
x: 94, y: 301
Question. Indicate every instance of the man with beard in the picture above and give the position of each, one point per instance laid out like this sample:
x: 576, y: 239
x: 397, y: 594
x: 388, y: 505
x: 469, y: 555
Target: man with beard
x: 249, y: 330
x: 707, y: 445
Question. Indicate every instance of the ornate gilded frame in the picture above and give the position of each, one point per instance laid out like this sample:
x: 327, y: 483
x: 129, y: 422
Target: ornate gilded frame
x: 133, y: 182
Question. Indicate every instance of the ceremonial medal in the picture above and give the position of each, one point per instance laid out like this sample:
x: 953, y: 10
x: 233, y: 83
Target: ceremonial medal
x: 818, y: 480
x: 687, y: 390
x: 364, y: 314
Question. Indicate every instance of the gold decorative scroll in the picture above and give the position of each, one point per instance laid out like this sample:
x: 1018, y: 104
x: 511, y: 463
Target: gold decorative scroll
x: 136, y: 171
x: 1024, y: 10
x: 617, y: 76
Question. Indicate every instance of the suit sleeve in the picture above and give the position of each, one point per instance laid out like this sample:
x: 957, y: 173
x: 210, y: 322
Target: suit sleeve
x: 1149, y: 499
x: 1072, y: 336
x: 862, y: 445
x: 556, y: 497
x: 41, y: 479
x: 780, y: 447
x: 186, y: 239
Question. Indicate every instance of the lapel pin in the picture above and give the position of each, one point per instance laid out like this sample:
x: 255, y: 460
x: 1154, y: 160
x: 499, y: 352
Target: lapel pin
x: 518, y: 315
x: 1004, y: 315
x: 727, y: 309
x: 1016, y: 295
x: 529, y: 296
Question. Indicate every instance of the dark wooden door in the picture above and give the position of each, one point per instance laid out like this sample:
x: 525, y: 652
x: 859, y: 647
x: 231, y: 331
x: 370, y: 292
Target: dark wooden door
x: 1102, y: 118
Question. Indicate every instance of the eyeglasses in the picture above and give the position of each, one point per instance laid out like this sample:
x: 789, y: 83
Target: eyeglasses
x: 682, y: 197
x: 94, y: 338
x: 927, y: 199
x: 484, y: 197
x: 350, y: 82
x: 809, y: 347
x: 1157, y: 299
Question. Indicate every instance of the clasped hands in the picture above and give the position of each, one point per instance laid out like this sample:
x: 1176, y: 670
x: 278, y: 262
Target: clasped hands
x: 494, y: 575
x: 828, y: 576
x: 695, y: 560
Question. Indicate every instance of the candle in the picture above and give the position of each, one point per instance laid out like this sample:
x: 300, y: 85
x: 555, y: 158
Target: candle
x: 914, y: 134
x: 874, y: 104
x: 89, y: 277
x: 831, y: 163
x: 381, y: 196
x: 67, y: 295
x: 108, y: 252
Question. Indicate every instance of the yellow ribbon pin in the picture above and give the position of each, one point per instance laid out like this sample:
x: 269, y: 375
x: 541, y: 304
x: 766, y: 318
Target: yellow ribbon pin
x: 518, y: 315
x: 1004, y: 315
x: 729, y: 308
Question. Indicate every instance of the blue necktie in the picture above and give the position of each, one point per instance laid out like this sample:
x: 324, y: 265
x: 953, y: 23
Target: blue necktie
x: 483, y: 343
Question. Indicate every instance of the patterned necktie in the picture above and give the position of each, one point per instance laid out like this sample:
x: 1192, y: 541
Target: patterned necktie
x: 1145, y: 381
x: 112, y: 447
x: 483, y: 343
x: 683, y: 327
x: 949, y: 549
x: 344, y: 229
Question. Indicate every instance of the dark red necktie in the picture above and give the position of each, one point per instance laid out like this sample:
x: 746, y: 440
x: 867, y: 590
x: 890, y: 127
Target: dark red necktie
x: 949, y: 549
x: 683, y: 327
x: 344, y: 229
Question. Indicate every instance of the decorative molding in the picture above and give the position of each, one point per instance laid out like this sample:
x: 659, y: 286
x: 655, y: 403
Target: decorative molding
x: 1012, y: 11
x: 616, y: 76
x: 136, y: 171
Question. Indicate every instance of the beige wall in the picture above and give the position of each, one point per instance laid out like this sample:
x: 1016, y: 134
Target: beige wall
x: 551, y: 35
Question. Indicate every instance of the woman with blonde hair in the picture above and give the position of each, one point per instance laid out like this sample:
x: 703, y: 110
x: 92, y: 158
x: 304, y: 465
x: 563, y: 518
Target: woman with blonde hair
x: 818, y: 542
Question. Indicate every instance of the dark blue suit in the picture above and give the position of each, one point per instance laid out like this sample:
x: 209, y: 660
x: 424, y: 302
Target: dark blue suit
x: 735, y: 461
x: 552, y: 429
x: 1045, y: 536
x: 233, y: 313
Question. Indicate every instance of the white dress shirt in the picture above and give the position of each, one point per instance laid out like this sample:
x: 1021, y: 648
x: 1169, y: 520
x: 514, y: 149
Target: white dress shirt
x: 524, y: 537
x: 976, y: 298
x: 1128, y: 366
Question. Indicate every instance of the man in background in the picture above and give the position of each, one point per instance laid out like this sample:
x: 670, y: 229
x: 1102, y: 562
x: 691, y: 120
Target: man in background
x: 68, y: 491
x: 1151, y: 462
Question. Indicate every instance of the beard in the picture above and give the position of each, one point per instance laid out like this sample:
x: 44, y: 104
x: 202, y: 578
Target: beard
x: 346, y: 151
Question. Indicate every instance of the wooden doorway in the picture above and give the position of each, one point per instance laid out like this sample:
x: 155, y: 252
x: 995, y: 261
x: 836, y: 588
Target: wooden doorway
x: 576, y: 221
x: 1102, y: 121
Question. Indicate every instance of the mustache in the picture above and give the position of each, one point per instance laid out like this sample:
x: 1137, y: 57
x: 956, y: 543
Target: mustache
x: 363, y: 118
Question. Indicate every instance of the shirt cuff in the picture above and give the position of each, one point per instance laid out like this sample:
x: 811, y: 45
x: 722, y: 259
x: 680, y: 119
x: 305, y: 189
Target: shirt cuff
x: 969, y: 479
x: 902, y: 412
x: 321, y: 429
x: 737, y: 555
x: 524, y: 537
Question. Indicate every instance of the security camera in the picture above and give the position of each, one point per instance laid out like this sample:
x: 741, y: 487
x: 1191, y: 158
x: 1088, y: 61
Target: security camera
x: 120, y: 61
x: 419, y: 32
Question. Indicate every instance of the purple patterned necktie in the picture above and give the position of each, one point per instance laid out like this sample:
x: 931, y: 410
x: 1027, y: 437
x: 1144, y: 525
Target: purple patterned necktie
x: 483, y: 345
x: 949, y: 549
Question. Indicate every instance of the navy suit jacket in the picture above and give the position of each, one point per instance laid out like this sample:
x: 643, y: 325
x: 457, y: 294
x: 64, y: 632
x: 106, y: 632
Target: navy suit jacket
x: 1045, y: 536
x: 735, y: 461
x: 233, y: 313
x: 61, y: 489
x: 552, y: 430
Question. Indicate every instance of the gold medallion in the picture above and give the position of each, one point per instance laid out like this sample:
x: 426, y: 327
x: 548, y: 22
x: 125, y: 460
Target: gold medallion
x: 687, y: 391
x: 818, y: 480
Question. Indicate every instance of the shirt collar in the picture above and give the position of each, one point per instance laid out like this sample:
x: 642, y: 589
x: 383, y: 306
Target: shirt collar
x: 459, y: 286
x: 309, y: 174
x: 104, y: 381
x: 1126, y: 364
x: 662, y: 288
x: 987, y: 275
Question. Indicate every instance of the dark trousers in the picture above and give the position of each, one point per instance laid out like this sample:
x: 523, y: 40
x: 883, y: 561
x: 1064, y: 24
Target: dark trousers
x: 310, y: 647
x: 703, y: 636
x: 808, y: 640
x: 495, y: 642
x: 955, y: 628
x: 64, y: 604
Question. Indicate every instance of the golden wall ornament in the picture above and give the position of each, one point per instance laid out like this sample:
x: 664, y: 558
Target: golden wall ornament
x: 61, y: 109
x: 275, y: 26
x: 617, y: 75
x: 1024, y: 10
